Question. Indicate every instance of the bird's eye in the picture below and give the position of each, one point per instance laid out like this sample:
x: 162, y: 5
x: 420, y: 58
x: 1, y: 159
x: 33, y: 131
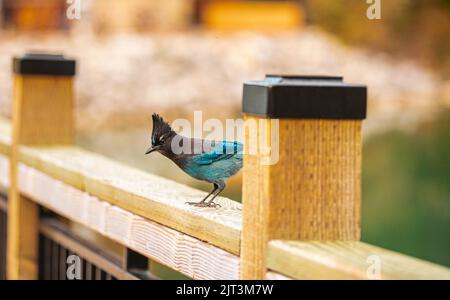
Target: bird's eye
x: 162, y: 139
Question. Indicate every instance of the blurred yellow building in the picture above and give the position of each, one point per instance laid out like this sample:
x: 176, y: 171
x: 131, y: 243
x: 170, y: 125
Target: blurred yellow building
x: 253, y: 15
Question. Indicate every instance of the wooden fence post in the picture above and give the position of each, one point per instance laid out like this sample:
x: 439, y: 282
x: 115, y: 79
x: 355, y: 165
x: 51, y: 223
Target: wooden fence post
x: 42, y: 115
x: 311, y: 190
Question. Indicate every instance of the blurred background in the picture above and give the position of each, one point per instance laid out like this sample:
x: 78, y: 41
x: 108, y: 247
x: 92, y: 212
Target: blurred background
x: 136, y: 57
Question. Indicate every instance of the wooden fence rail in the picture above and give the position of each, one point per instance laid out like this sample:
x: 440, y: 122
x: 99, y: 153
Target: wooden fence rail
x: 346, y: 260
x: 312, y: 193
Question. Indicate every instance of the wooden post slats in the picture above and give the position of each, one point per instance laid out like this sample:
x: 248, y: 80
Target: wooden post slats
x: 313, y: 190
x: 42, y: 115
x: 144, y: 194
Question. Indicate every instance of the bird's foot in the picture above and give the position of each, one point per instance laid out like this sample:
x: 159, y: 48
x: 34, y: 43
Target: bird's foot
x: 204, y: 204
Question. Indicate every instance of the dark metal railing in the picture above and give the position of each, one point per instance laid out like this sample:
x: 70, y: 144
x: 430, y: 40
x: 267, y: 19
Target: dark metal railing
x: 57, y: 242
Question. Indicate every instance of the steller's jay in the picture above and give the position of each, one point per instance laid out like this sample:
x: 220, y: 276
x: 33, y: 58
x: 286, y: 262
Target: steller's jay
x: 211, y: 161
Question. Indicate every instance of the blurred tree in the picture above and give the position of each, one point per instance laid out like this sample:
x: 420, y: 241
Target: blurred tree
x: 406, y: 191
x: 408, y: 28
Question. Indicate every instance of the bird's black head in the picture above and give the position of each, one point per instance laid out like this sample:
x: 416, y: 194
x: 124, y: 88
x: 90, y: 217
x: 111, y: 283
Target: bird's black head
x: 161, y: 134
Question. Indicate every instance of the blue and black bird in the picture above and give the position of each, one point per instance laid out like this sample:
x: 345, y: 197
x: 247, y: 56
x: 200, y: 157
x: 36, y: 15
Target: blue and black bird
x: 213, y: 161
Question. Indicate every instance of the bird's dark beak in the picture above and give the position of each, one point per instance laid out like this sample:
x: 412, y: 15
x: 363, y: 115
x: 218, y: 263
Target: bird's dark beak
x: 150, y: 150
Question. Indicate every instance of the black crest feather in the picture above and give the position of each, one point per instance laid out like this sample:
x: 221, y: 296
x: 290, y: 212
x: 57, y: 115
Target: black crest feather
x: 160, y: 128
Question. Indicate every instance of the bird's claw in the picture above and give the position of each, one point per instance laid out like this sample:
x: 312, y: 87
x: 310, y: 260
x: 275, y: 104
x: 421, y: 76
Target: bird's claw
x: 204, y: 204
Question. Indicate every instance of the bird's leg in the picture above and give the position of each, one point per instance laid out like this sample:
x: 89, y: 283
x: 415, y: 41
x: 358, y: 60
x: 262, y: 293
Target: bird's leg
x: 210, y: 203
x: 202, y: 203
x: 220, y: 188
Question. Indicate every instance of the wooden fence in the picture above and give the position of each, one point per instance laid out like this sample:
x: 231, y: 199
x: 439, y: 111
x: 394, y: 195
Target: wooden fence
x: 300, y: 217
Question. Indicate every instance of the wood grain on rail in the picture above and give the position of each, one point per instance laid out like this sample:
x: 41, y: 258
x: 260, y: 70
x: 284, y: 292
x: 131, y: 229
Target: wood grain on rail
x: 186, y: 254
x: 153, y: 197
x: 347, y: 260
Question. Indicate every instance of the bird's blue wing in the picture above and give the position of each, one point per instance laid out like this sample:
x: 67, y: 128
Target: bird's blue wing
x: 223, y: 150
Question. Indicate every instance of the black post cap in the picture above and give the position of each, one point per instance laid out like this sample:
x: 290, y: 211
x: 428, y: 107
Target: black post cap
x: 44, y: 64
x: 304, y: 97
